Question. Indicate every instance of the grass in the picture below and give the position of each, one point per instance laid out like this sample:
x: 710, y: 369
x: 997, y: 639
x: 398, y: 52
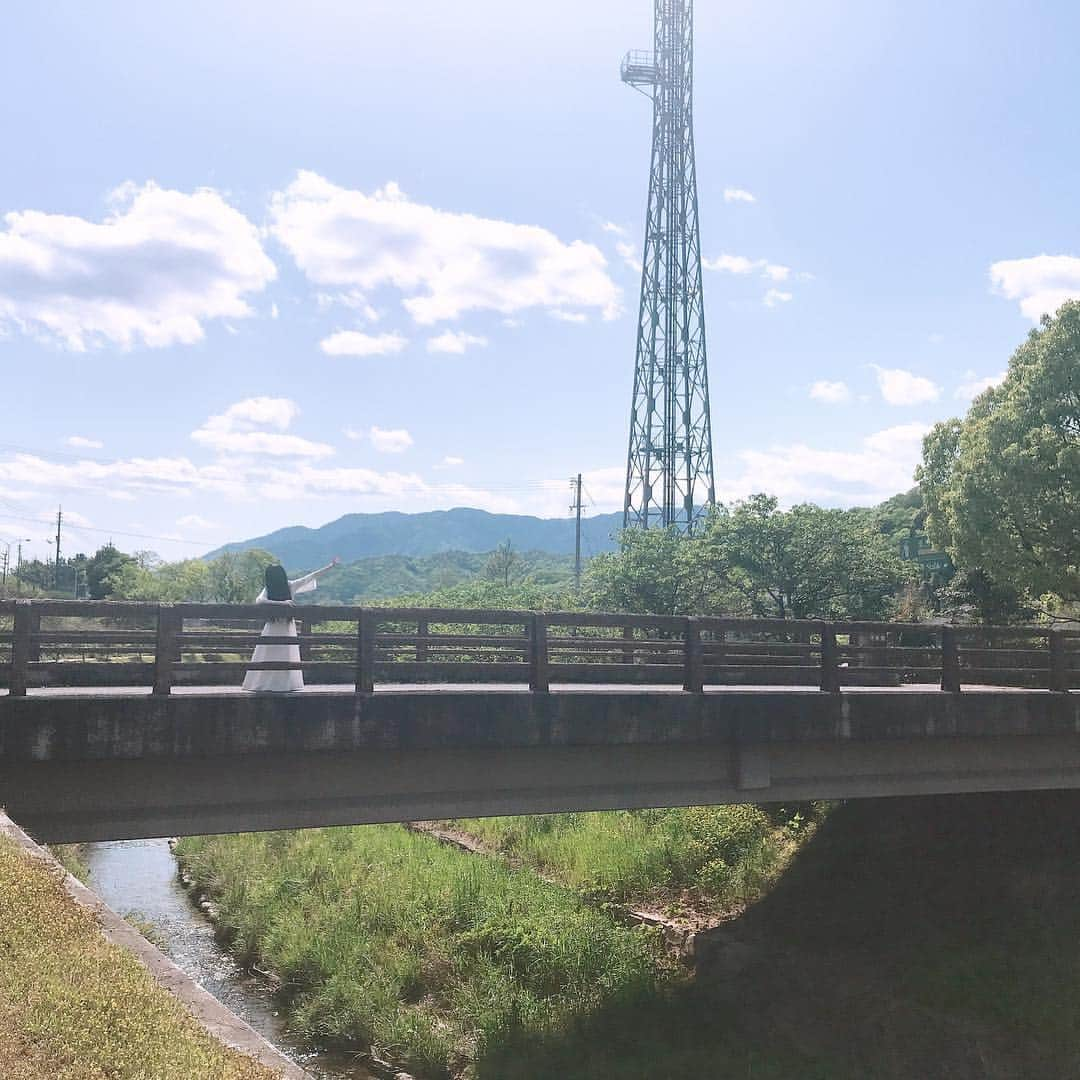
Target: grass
x: 75, y: 1007
x: 713, y: 859
x: 453, y: 965
x: 935, y: 937
x: 384, y: 937
x: 70, y: 857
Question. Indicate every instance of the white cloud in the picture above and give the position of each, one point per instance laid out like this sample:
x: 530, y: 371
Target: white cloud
x: 239, y: 479
x: 611, y: 227
x: 738, y: 195
x: 775, y: 297
x: 936, y: 338
x: 71, y: 517
x: 454, y: 341
x: 732, y: 264
x: 629, y: 254
x: 568, y: 316
x: 237, y: 430
x: 883, y: 465
x: 900, y: 387
x: 832, y: 393
x: 1041, y: 283
x: 444, y: 263
x: 973, y: 385
x: 356, y: 343
x: 385, y: 440
x: 740, y: 264
x: 450, y: 462
x: 163, y: 475
x: 390, y: 440
x: 154, y: 271
x: 272, y: 443
x: 82, y: 443
x: 194, y: 521
x: 602, y: 492
x: 256, y: 411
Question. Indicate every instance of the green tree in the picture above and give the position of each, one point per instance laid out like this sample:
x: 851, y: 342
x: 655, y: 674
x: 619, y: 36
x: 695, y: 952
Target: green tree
x: 105, y: 570
x: 972, y: 595
x: 1002, y: 486
x: 658, y: 571
x: 803, y: 563
x: 503, y: 564
x: 236, y: 577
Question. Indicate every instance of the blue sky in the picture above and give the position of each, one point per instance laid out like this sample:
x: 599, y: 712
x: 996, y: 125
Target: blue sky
x: 265, y: 264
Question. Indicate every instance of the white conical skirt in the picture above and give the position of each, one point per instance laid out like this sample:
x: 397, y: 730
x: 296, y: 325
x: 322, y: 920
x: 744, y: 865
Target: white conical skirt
x: 276, y: 682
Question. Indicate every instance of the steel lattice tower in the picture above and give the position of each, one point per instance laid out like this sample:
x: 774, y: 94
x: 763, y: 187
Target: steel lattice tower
x: 669, y: 468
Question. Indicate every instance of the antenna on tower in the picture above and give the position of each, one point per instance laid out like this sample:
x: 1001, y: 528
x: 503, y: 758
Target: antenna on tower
x: 669, y: 467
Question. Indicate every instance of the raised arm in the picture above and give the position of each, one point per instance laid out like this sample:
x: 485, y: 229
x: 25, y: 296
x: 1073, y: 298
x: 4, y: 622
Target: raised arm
x: 300, y: 582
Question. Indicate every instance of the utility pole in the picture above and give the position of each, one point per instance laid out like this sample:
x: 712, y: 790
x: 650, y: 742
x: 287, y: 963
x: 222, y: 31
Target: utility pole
x: 575, y: 486
x: 18, y: 570
x: 59, y: 521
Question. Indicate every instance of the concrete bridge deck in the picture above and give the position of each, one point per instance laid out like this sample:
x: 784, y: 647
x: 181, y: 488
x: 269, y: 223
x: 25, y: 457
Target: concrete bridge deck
x: 574, y: 711
x: 78, y: 767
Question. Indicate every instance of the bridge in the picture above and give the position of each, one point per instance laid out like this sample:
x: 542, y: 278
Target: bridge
x: 125, y: 720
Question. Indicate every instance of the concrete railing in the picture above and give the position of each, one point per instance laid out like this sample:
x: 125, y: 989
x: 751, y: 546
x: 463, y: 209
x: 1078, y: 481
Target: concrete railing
x: 53, y: 643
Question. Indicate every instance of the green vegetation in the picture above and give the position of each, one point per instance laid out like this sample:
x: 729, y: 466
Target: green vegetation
x: 388, y: 576
x: 70, y: 857
x: 753, y: 558
x: 712, y: 859
x: 1002, y: 486
x: 905, y: 937
x: 74, y: 1007
x: 384, y: 937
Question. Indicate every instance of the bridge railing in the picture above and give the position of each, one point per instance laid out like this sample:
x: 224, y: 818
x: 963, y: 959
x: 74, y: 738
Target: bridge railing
x: 58, y: 643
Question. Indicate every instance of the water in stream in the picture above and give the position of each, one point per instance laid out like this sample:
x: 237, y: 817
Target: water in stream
x: 139, y: 877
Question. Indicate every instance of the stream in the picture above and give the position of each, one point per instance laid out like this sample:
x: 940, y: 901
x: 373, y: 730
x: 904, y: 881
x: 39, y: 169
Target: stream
x: 139, y: 877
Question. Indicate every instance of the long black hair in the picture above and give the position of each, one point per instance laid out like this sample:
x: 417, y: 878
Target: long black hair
x: 277, y: 584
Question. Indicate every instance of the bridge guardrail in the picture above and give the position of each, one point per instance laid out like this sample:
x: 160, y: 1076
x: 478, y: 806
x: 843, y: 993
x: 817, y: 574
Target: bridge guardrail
x: 48, y: 643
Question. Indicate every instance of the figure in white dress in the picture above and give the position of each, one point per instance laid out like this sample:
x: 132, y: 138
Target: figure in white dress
x: 278, y: 594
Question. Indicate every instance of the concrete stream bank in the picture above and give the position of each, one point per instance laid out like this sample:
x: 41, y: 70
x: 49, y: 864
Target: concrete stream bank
x: 139, y: 877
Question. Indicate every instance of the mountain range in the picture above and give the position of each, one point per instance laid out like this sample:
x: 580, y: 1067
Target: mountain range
x: 359, y: 536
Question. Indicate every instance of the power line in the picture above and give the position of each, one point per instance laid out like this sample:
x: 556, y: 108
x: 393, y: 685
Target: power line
x: 110, y: 532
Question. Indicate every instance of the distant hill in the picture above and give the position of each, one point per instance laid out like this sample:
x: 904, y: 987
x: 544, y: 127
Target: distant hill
x: 359, y: 536
x: 382, y: 577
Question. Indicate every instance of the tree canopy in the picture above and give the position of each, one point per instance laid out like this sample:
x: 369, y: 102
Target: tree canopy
x: 655, y: 570
x: 753, y: 558
x: 1002, y: 486
x: 803, y: 563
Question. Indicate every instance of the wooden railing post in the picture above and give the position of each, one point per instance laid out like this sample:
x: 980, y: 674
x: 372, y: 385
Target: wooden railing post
x: 301, y: 628
x: 628, y: 649
x: 22, y: 625
x: 35, y: 629
x: 422, y: 628
x: 1059, y: 662
x: 830, y: 671
x: 366, y: 626
x: 539, y: 675
x: 693, y: 673
x: 169, y: 625
x: 950, y: 661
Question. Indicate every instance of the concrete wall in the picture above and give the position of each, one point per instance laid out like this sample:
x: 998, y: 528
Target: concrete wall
x: 92, y: 768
